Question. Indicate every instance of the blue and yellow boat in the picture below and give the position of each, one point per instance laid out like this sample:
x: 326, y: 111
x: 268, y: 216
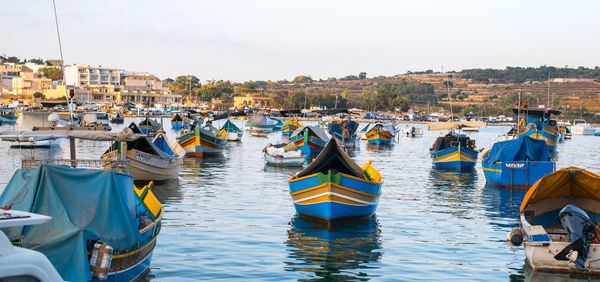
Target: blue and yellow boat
x: 310, y: 139
x: 203, y: 140
x: 148, y: 126
x: 334, y: 187
x: 379, y: 133
x: 177, y: 122
x: 289, y: 127
x: 538, y: 124
x: 517, y: 163
x: 344, y: 131
x: 454, y: 151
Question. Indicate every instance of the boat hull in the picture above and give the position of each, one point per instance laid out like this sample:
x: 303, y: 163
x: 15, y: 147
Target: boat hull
x: 148, y: 167
x: 379, y: 138
x: 177, y: 125
x: 203, y: 144
x: 288, y: 128
x: 516, y: 174
x: 284, y: 162
x: 454, y: 158
x: 333, y: 197
x: 234, y: 136
x: 309, y: 146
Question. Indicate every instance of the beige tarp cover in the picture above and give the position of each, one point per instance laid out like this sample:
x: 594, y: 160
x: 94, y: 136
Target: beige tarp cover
x: 125, y: 135
x: 454, y: 125
x: 567, y: 182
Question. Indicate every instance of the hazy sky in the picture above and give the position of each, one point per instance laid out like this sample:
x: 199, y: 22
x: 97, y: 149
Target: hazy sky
x: 274, y: 40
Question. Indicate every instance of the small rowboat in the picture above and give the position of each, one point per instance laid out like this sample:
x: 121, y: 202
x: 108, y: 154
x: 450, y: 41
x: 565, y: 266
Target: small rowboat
x: 232, y: 132
x: 379, y: 133
x: 148, y: 126
x: 177, y: 122
x: 454, y: 151
x: 558, y: 219
x: 310, y: 139
x: 203, y: 140
x: 283, y: 155
x: 259, y: 125
x: 334, y: 187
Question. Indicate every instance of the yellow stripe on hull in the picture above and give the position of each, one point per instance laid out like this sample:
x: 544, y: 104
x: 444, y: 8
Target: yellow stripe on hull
x: 330, y: 192
x: 491, y: 169
x: 455, y: 156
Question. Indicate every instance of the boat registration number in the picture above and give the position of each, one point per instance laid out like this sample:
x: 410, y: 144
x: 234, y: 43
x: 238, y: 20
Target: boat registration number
x: 142, y: 157
x: 515, y: 165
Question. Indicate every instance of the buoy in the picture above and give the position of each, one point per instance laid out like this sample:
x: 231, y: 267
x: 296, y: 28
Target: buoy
x: 515, y: 236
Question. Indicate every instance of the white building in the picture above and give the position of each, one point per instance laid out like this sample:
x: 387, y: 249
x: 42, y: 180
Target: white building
x: 85, y: 75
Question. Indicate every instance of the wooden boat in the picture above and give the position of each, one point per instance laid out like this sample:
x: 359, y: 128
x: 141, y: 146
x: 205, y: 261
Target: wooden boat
x: 379, y: 133
x: 454, y: 151
x: 334, y: 187
x: 538, y: 124
x: 344, y: 131
x: 148, y: 126
x: 558, y: 221
x: 517, y: 163
x: 363, y: 131
x: 109, y: 217
x: 232, y: 132
x: 283, y: 155
x: 259, y: 125
x: 177, y: 122
x: 150, y: 160
x: 8, y: 116
x: 289, y: 127
x: 202, y: 140
x: 310, y: 139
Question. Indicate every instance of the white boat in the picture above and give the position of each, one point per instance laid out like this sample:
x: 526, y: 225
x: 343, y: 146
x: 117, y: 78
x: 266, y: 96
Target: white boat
x: 283, y: 155
x: 20, y: 264
x: 150, y: 160
x: 581, y: 127
x: 557, y: 220
x: 33, y: 121
x: 411, y: 131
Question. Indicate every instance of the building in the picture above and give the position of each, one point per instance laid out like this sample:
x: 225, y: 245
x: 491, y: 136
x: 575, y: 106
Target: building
x: 148, y: 95
x: 34, y: 67
x: 30, y: 82
x: 251, y: 101
x: 8, y: 71
x: 141, y: 80
x: 85, y: 75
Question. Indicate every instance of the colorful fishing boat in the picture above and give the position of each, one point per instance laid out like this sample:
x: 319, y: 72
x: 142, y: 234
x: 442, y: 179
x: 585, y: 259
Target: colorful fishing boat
x: 344, y: 131
x: 278, y: 123
x: 283, y: 155
x: 154, y: 159
x: 363, y: 131
x: 232, y: 132
x: 114, y: 215
x: 517, y: 163
x: 148, y: 126
x: 117, y: 118
x: 177, y: 122
x: 379, y: 133
x: 260, y: 125
x: 310, y: 139
x: 202, y: 140
x: 454, y: 151
x: 538, y: 124
x: 8, y: 115
x: 289, y: 127
x: 558, y: 222
x: 334, y: 187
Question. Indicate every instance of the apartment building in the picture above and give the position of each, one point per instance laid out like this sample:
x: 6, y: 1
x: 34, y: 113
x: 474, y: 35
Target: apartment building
x: 30, y: 82
x: 8, y: 71
x: 85, y: 75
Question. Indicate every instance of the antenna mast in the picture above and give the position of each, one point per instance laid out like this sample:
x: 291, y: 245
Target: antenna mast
x: 62, y: 64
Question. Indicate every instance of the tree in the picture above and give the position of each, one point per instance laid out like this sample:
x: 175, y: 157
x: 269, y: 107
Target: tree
x: 52, y: 73
x: 448, y: 84
x: 362, y: 75
x: 184, y: 83
x: 39, y: 95
x: 302, y: 79
x: 37, y: 61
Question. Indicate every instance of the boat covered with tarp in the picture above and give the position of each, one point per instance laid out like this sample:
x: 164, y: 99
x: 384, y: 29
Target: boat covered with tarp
x: 310, y: 139
x: 558, y: 220
x: 344, y: 131
x: 454, y: 151
x: 379, y: 133
x: 283, y: 155
x: 539, y: 124
x: 89, y: 207
x: 517, y: 163
x: 231, y: 131
x: 334, y: 187
x: 260, y: 125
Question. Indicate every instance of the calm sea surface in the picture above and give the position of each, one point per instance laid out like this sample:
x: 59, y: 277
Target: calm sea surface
x: 231, y: 218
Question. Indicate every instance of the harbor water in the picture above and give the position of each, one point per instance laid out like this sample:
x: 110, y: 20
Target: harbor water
x: 231, y: 217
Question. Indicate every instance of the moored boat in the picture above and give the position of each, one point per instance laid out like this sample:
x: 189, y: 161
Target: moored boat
x: 150, y: 160
x: 344, y: 131
x: 379, y: 133
x: 177, y: 122
x: 277, y: 123
x: 148, y: 126
x: 117, y: 118
x: 202, y: 140
x: 363, y: 131
x: 581, y: 127
x: 260, y: 125
x: 283, y: 155
x: 558, y: 221
x: 538, y: 124
x: 8, y: 115
x: 232, y: 132
x: 289, y: 127
x: 112, y: 222
x: 310, y: 139
x: 517, y: 163
x: 412, y: 131
x: 454, y: 151
x: 334, y: 187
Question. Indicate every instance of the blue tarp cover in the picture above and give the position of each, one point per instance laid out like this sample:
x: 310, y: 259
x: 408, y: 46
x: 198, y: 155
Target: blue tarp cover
x: 85, y: 204
x: 519, y: 149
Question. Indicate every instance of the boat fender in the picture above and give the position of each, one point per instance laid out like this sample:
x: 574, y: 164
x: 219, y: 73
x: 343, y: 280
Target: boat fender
x: 100, y: 260
x: 515, y: 237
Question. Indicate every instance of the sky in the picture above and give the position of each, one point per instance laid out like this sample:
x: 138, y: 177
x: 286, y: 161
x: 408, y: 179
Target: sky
x: 274, y: 40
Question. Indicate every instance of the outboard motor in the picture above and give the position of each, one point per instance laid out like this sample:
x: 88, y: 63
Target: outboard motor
x: 580, y: 229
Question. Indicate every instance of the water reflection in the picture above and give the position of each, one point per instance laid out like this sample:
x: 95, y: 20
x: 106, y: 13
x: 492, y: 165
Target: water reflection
x: 502, y: 205
x: 453, y: 184
x: 336, y: 252
x: 168, y: 192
